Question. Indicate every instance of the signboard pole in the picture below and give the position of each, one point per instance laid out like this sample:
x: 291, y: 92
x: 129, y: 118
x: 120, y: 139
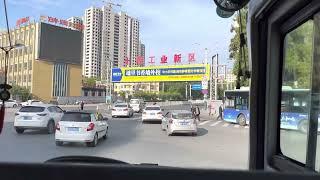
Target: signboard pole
x: 216, y: 78
x: 190, y: 92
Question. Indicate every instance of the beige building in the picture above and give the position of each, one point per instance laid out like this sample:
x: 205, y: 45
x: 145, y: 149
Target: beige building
x: 130, y: 88
x: 40, y: 68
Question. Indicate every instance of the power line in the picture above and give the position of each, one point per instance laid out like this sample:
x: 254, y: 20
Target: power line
x: 7, y: 22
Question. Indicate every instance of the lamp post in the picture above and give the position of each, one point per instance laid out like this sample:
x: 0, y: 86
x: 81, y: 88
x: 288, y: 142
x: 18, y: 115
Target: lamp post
x: 5, y: 95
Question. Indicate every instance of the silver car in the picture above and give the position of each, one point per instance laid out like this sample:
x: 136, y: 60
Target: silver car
x: 179, y: 121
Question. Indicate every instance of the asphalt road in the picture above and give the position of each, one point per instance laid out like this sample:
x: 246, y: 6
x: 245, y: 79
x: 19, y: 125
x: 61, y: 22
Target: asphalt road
x: 218, y: 145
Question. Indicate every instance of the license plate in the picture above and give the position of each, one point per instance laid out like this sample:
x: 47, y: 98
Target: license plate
x: 184, y: 123
x: 27, y: 117
x: 152, y: 114
x: 73, y: 129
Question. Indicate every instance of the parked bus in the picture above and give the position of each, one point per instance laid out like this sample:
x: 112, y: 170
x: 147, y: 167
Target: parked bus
x: 294, y: 107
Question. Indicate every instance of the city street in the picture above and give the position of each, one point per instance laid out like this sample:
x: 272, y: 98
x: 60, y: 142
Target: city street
x: 218, y: 144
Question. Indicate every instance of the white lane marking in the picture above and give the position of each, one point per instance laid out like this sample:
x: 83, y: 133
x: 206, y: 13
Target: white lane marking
x: 237, y: 126
x: 216, y: 123
x: 247, y: 127
x: 203, y: 123
x: 226, y: 125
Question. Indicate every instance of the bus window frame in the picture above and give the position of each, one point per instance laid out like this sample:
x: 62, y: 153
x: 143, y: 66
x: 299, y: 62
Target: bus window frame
x: 274, y: 80
x: 267, y: 26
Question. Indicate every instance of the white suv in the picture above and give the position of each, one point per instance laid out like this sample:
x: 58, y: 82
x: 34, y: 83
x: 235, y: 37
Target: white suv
x: 41, y: 116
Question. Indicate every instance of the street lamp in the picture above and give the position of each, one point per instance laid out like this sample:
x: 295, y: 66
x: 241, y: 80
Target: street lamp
x: 4, y: 94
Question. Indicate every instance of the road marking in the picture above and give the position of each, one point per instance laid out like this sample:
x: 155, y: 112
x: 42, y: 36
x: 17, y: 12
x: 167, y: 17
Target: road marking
x: 237, y: 126
x: 203, y: 123
x: 247, y: 127
x: 226, y: 125
x: 214, y: 124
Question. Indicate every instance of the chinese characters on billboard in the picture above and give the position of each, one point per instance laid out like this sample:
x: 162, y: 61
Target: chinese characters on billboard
x: 194, y: 72
x: 61, y: 22
x: 22, y: 21
x: 177, y: 59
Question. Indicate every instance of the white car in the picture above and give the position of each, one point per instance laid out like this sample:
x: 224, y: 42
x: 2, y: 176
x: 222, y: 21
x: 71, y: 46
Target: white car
x: 44, y: 116
x: 122, y: 109
x: 10, y: 103
x: 152, y: 113
x: 80, y: 126
x: 137, y: 104
x: 30, y: 102
x: 179, y: 121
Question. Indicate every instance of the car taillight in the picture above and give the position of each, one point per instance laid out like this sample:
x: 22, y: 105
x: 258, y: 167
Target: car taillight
x: 144, y: 113
x: 159, y: 113
x: 170, y: 121
x: 16, y: 114
x: 113, y: 109
x: 58, y: 127
x: 43, y: 114
x: 126, y: 109
x: 90, y: 127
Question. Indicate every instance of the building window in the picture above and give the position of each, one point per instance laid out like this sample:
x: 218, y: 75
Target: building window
x: 15, y: 67
x: 25, y: 78
x: 29, y: 78
x: 60, y: 76
x: 30, y: 65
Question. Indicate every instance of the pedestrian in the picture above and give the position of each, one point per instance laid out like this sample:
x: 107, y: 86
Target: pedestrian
x: 220, y: 112
x: 81, y: 105
x: 197, y: 112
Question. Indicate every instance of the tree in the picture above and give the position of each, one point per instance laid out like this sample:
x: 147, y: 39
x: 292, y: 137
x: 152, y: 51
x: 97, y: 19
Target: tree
x: 89, y: 82
x: 234, y: 47
x: 20, y: 92
x: 298, y: 56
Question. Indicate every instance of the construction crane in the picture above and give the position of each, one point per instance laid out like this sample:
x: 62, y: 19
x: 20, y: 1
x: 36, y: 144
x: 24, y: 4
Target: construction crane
x: 112, y: 4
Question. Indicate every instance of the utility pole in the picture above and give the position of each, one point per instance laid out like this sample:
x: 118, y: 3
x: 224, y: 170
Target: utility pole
x: 190, y: 91
x: 216, y: 78
x: 213, y: 77
x: 186, y: 91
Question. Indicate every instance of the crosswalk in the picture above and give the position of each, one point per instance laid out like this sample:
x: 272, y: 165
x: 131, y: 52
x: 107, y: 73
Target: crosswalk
x: 223, y: 124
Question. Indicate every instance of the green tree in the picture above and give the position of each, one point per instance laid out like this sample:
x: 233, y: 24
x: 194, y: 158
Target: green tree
x: 234, y: 47
x: 298, y: 56
x: 89, y: 82
x: 20, y: 92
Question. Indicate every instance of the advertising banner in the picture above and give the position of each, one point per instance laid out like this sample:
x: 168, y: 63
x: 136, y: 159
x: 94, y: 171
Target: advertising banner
x: 191, y: 72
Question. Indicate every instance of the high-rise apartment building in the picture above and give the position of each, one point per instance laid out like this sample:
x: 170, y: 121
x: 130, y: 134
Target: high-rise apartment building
x: 75, y: 21
x: 92, y: 42
x: 142, y: 53
x: 109, y: 39
x: 133, y: 36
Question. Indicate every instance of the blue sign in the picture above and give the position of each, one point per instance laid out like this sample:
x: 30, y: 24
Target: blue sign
x: 116, y: 74
x: 196, y: 87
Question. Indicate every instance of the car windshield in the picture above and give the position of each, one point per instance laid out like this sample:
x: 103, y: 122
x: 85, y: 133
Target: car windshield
x: 150, y: 108
x: 76, y: 117
x: 182, y: 116
x: 134, y: 102
x: 32, y: 109
x: 121, y: 105
x: 138, y: 64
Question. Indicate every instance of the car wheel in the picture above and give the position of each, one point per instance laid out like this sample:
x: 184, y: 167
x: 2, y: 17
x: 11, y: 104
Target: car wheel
x: 94, y: 142
x: 303, y: 126
x: 194, y: 134
x: 14, y: 106
x: 50, y: 127
x: 59, y: 143
x: 241, y: 120
x: 106, y: 135
x: 19, y: 130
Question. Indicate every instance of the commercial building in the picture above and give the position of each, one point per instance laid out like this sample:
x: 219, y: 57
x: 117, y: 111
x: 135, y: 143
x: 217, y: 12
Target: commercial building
x: 130, y: 88
x: 49, y: 63
x: 110, y: 38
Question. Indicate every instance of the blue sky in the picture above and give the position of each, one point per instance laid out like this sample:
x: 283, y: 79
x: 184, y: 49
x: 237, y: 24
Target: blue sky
x: 167, y: 26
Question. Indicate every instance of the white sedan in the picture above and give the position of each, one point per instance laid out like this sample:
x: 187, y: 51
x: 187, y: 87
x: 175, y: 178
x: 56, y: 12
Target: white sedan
x: 179, y: 121
x: 81, y: 126
x: 122, y: 109
x: 44, y: 116
x: 152, y: 113
x: 10, y: 103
